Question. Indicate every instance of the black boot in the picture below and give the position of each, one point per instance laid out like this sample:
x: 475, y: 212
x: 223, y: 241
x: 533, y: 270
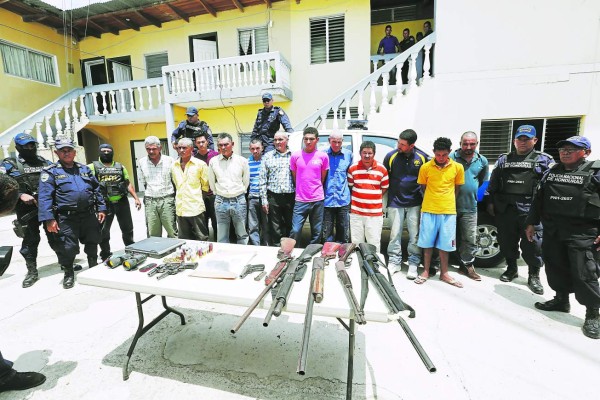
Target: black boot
x: 560, y: 302
x: 69, y: 279
x: 591, y: 326
x: 22, y: 381
x: 92, y: 261
x: 534, y: 280
x: 32, y: 274
x: 511, y: 271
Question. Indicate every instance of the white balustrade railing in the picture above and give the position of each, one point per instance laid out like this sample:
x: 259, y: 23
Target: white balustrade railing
x: 124, y: 97
x: 256, y: 71
x: 366, y: 90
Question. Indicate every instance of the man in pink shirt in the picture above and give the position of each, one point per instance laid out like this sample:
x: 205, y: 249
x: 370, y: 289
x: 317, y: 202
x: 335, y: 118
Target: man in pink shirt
x: 309, y: 168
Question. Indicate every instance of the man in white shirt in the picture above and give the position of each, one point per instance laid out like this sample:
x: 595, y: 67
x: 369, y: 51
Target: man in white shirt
x: 229, y: 177
x: 154, y: 172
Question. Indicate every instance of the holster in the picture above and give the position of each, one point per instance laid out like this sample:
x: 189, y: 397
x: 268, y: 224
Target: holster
x: 18, y: 228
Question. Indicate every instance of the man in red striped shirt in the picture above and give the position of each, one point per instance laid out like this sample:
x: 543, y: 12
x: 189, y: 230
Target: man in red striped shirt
x: 368, y: 181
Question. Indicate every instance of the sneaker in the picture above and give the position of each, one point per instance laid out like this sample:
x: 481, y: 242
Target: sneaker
x: 412, y: 272
x: 394, y: 268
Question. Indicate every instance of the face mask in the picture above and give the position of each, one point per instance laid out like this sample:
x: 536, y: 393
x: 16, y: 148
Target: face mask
x: 28, y: 154
x: 106, y: 157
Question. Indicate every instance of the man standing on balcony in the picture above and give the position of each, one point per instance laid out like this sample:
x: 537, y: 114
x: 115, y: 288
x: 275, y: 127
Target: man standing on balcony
x: 190, y: 177
x: 268, y: 121
x: 513, y: 180
x: 476, y: 173
x: 337, y: 192
x: 309, y: 168
x: 389, y: 45
x: 277, y: 188
x: 229, y: 177
x: 404, y: 200
x: 405, y: 44
x: 114, y: 179
x: 205, y: 154
x: 368, y: 181
x: 154, y: 172
x: 26, y: 169
x: 191, y: 127
x: 72, y: 207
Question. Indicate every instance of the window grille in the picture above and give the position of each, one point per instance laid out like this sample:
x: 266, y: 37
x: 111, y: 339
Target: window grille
x: 29, y: 64
x: 327, y: 40
x: 154, y: 64
x: 253, y: 41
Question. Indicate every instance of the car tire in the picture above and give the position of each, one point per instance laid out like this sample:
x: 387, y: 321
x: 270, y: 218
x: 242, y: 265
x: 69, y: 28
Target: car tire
x: 488, y: 248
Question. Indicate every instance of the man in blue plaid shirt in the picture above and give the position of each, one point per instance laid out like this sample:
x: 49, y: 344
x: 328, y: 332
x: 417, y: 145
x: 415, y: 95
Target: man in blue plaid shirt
x: 277, y: 188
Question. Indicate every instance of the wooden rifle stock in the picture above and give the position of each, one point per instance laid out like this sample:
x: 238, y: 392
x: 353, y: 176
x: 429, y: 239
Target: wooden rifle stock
x: 328, y: 252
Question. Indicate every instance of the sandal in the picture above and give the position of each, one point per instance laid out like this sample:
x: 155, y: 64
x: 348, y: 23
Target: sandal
x: 452, y: 282
x: 419, y: 280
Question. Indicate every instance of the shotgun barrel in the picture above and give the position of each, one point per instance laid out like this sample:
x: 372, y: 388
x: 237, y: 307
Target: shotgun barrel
x: 359, y: 314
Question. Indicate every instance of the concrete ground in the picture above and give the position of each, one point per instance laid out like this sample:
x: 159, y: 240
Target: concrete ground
x: 486, y: 340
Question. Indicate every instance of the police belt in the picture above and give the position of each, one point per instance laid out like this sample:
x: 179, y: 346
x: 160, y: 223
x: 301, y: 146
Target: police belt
x: 89, y: 210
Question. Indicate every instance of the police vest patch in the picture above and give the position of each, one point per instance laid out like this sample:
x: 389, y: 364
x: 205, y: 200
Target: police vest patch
x: 44, y: 177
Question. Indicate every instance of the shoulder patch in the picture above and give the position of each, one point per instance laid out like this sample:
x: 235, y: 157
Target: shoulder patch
x: 44, y: 177
x: 281, y: 112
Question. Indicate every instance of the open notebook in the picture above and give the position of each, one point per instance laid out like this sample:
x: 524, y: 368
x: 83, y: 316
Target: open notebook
x: 223, y: 264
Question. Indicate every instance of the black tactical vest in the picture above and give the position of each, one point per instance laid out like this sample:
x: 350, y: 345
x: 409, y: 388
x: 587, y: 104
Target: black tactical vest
x: 519, y: 177
x: 111, y: 178
x: 571, y: 193
x: 29, y: 176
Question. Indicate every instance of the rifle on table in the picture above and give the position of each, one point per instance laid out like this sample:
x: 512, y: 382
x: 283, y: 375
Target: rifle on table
x: 318, y: 265
x: 344, y: 253
x: 368, y: 259
x: 294, y: 273
x: 284, y: 255
x: 329, y: 251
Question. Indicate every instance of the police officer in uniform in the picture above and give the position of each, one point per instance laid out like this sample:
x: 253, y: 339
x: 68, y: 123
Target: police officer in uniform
x: 69, y: 199
x: 114, y: 180
x: 26, y: 169
x: 567, y: 202
x: 513, y: 180
x: 268, y: 121
x: 191, y: 128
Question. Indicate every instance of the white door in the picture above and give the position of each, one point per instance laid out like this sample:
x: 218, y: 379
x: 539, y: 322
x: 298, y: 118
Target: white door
x: 122, y: 73
x: 204, y: 49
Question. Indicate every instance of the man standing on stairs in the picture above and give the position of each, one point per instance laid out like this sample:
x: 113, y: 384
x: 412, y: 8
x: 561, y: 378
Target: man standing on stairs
x: 114, y: 179
x: 513, y: 179
x: 567, y: 203
x: 72, y: 207
x: 26, y: 169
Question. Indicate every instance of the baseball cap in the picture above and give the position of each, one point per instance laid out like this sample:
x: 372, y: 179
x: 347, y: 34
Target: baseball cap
x: 267, y: 96
x: 64, y: 142
x: 525, y: 130
x: 23, y: 138
x: 191, y: 111
x: 106, y: 146
x: 578, y: 141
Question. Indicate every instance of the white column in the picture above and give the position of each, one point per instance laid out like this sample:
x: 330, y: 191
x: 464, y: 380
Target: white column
x: 170, y: 125
x: 39, y: 136
x: 49, y: 133
x: 5, y: 150
x: 373, y: 99
x: 426, y: 63
x: 57, y: 124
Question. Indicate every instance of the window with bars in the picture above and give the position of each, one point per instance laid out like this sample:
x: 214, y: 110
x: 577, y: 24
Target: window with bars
x: 253, y: 41
x: 497, y: 135
x: 154, y: 64
x: 327, y: 43
x: 29, y: 64
x: 396, y: 14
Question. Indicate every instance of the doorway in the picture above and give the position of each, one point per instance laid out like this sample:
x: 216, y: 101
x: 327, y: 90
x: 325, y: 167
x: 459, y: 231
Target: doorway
x: 100, y: 71
x: 204, y: 47
x: 138, y: 150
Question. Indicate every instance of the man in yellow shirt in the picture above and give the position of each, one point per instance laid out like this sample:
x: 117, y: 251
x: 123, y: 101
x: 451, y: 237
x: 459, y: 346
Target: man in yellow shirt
x: 190, y: 177
x: 439, y: 178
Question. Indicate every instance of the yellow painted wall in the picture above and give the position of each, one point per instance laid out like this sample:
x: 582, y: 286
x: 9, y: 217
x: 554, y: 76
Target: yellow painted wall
x: 378, y: 31
x: 20, y: 96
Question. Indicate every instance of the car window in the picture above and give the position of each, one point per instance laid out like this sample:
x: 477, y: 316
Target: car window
x: 383, y: 145
x: 324, y: 142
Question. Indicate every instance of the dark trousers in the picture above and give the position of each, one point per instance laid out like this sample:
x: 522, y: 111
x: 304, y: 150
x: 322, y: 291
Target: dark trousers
x: 209, y: 203
x: 511, y: 235
x: 31, y: 240
x: 6, y: 370
x: 258, y: 223
x: 281, y: 208
x: 75, y: 228
x: 404, y: 72
x: 338, y: 217
x: 572, y: 263
x: 121, y: 210
x: 193, y: 228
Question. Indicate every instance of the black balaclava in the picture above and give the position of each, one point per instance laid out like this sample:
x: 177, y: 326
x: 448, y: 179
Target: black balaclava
x: 106, y: 157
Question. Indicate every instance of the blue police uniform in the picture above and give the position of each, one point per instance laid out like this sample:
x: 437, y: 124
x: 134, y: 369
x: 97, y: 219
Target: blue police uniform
x: 511, y: 189
x: 268, y: 122
x: 191, y: 131
x: 72, y: 196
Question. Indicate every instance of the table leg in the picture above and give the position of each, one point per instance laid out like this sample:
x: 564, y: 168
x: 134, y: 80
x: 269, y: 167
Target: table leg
x: 351, y: 338
x: 141, y: 329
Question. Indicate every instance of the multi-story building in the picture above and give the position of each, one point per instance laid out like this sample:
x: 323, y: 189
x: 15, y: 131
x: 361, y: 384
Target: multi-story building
x: 117, y: 75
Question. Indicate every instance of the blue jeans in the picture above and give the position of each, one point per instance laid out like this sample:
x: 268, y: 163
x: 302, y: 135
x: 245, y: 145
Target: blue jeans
x: 466, y: 235
x: 231, y: 210
x: 258, y: 227
x: 312, y: 210
x: 397, y: 217
x: 340, y: 218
